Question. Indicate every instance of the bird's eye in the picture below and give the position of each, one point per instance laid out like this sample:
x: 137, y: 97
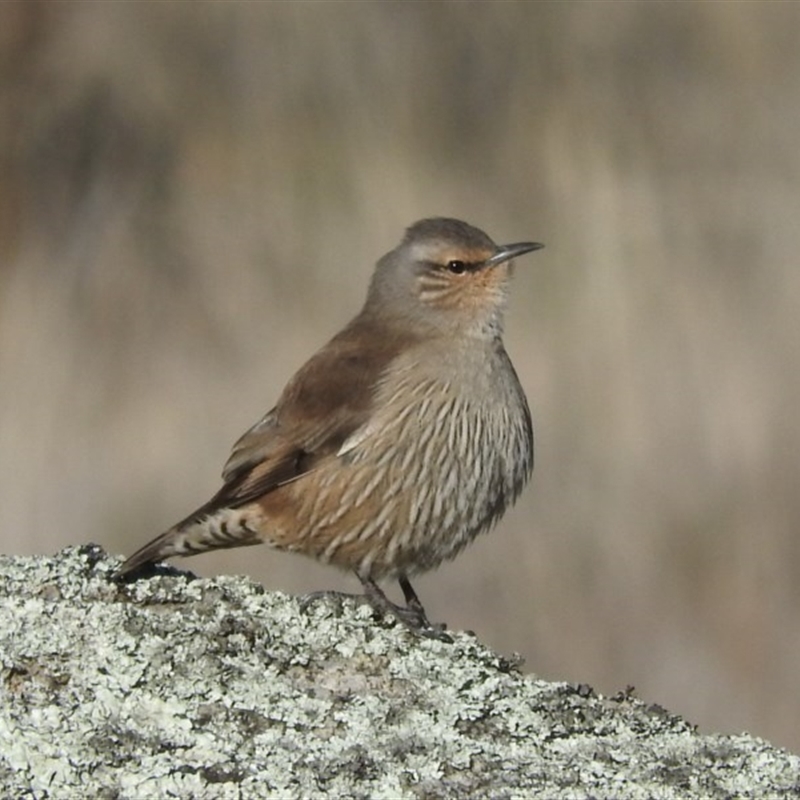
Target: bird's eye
x: 456, y: 266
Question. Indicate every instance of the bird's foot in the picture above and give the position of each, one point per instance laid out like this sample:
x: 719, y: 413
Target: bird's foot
x: 411, y: 615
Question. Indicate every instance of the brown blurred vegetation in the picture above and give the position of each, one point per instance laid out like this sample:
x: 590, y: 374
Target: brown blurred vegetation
x: 191, y: 200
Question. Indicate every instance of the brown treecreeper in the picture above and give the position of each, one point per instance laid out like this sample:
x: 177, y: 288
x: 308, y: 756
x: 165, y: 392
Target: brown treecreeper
x: 399, y: 441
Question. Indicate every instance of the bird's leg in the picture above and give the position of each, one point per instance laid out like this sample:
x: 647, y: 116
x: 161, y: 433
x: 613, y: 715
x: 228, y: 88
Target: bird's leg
x: 412, y: 601
x: 411, y: 615
x: 415, y: 604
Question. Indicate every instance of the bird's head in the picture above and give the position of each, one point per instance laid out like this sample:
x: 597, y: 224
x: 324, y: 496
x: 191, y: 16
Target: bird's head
x: 446, y: 276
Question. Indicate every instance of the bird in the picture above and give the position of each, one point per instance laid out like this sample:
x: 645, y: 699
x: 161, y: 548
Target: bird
x: 402, y: 439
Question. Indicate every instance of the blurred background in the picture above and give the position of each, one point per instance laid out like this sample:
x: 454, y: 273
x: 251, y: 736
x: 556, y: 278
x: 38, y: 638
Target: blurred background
x: 192, y: 197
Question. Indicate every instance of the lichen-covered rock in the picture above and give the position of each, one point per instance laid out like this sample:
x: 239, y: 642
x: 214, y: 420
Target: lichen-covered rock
x: 179, y: 687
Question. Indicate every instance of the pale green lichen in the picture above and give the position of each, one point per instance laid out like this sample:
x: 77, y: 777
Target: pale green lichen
x: 178, y: 687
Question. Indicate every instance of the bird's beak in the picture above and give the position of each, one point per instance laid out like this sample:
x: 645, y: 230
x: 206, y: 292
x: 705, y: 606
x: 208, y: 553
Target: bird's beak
x: 508, y: 251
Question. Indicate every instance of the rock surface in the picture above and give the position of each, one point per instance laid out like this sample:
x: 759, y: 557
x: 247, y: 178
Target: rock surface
x: 174, y: 686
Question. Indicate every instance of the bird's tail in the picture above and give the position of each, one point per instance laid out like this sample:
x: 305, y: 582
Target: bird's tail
x: 226, y: 527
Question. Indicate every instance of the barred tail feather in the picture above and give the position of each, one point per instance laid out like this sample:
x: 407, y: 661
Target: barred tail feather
x: 222, y: 529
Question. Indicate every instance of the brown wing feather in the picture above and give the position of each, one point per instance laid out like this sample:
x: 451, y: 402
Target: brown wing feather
x: 328, y: 399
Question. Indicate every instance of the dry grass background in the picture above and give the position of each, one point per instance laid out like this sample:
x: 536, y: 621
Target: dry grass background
x: 191, y: 199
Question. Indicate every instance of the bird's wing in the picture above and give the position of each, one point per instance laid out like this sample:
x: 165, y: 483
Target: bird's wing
x: 321, y: 407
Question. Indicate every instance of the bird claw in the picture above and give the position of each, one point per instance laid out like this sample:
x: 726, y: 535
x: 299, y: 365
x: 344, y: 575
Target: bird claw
x: 422, y: 626
x: 412, y: 616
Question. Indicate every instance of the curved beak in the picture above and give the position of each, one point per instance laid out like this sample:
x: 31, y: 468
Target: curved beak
x: 508, y: 251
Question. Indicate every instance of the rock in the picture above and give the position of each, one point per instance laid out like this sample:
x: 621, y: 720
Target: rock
x: 174, y: 686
